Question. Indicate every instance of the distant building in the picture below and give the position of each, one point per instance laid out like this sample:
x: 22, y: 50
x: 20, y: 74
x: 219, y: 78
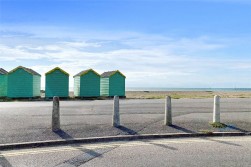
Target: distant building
x: 112, y: 83
x: 23, y: 83
x: 87, y: 84
x: 56, y: 83
x: 3, y: 82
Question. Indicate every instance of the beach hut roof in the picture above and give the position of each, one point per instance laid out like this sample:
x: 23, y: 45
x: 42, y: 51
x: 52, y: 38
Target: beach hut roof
x: 3, y: 71
x: 26, y: 69
x: 57, y: 68
x: 85, y: 72
x: 111, y: 73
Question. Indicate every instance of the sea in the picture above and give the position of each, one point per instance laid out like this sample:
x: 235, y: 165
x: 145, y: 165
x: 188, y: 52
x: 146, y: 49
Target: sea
x: 183, y: 89
x: 189, y: 89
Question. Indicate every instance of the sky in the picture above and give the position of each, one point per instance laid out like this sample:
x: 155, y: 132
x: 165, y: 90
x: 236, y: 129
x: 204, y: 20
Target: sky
x: 155, y: 43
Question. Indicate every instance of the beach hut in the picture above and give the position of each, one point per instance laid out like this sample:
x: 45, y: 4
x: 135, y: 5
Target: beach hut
x: 23, y: 83
x: 56, y: 83
x: 112, y: 83
x: 87, y: 84
x: 3, y: 82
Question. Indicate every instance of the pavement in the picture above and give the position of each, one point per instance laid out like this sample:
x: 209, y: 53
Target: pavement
x: 30, y: 122
x: 187, y: 152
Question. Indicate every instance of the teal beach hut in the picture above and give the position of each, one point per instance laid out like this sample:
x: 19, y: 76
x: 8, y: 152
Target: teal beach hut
x: 112, y: 83
x: 23, y: 83
x: 56, y: 83
x: 3, y: 82
x: 87, y: 84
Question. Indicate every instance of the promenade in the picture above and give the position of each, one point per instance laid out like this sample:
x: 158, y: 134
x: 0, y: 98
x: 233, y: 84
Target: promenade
x: 31, y: 121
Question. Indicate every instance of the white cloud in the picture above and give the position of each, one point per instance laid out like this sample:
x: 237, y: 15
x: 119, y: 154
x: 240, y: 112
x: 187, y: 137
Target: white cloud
x: 17, y: 53
x: 80, y: 44
x: 168, y: 62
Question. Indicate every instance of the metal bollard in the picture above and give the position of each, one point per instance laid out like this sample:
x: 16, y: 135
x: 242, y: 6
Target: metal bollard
x: 116, y: 117
x: 216, y: 114
x: 168, y: 111
x: 55, y: 114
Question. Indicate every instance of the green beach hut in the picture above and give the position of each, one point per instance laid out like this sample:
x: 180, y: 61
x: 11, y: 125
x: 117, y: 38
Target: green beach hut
x: 56, y: 83
x: 3, y: 82
x: 112, y: 83
x: 87, y: 84
x: 23, y: 83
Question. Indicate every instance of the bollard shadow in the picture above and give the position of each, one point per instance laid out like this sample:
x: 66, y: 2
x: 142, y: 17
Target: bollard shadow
x: 62, y: 134
x: 181, y: 129
x: 222, y: 142
x: 132, y: 132
x: 86, y: 155
x: 235, y: 128
x: 204, y: 138
x: 163, y: 146
x: 127, y: 130
x: 4, y: 162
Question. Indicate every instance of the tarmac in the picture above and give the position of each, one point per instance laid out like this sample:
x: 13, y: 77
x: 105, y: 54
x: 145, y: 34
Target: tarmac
x: 97, y: 127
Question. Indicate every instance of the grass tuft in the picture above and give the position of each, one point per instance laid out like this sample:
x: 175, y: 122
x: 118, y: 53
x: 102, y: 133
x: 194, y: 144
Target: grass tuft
x: 218, y: 125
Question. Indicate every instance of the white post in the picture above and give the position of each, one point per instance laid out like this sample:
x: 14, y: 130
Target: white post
x: 116, y: 117
x: 55, y: 114
x: 216, y: 115
x: 168, y: 111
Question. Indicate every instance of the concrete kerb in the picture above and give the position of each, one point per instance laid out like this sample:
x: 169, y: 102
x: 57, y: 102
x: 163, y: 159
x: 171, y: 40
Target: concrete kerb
x: 116, y: 138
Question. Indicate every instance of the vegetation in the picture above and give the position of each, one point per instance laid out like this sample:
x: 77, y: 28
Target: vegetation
x: 218, y: 125
x: 163, y: 94
x: 184, y: 94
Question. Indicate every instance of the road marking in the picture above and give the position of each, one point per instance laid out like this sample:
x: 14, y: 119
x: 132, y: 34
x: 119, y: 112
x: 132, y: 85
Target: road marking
x: 118, y: 144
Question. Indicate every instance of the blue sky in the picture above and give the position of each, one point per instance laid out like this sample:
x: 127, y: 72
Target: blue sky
x: 155, y: 43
